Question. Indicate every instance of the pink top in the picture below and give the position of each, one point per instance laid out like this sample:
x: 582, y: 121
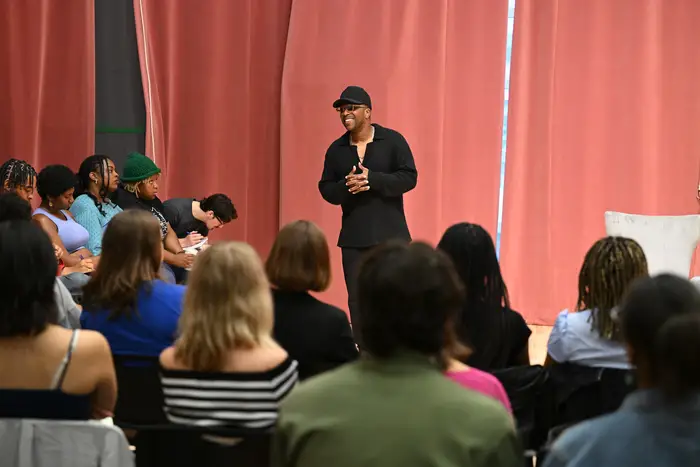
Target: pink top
x: 482, y: 382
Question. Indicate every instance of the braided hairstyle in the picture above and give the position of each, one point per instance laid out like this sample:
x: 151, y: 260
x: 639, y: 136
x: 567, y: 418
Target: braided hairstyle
x: 95, y: 163
x: 480, y: 323
x: 15, y: 174
x: 609, y: 268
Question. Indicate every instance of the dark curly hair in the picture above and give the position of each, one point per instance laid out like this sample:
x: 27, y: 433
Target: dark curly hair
x: 221, y: 205
x: 416, y: 314
x: 15, y: 173
x: 54, y: 180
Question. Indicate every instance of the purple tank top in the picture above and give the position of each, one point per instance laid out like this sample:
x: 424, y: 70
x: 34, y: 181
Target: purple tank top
x: 73, y: 235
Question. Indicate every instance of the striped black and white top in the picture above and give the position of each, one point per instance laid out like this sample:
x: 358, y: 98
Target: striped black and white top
x: 231, y: 400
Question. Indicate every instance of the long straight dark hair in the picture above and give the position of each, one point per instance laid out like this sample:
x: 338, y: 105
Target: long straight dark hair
x: 473, y: 253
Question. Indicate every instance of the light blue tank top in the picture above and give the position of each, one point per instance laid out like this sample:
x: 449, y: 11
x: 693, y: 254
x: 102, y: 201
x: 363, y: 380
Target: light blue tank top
x: 73, y: 235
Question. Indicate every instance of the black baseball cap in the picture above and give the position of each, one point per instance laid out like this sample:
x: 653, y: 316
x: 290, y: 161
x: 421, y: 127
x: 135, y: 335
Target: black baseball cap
x: 353, y: 95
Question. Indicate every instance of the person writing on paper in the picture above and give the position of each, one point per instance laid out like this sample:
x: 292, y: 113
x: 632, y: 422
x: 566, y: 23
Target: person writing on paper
x: 366, y: 172
x: 192, y: 220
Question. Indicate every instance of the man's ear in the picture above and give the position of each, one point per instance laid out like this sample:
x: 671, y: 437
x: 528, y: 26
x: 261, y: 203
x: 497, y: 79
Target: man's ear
x: 210, y: 214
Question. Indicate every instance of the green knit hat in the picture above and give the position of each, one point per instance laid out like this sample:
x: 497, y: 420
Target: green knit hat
x: 138, y: 167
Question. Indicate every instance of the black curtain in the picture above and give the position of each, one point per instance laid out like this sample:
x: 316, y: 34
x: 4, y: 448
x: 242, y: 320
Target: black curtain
x: 120, y: 113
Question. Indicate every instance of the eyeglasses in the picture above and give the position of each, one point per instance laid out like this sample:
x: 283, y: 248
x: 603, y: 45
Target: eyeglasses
x: 349, y: 108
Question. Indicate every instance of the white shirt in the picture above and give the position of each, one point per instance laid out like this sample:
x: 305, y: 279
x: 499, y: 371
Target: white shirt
x: 573, y: 340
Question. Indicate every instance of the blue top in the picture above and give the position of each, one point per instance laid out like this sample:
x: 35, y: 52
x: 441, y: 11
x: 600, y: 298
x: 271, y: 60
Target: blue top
x: 73, y: 235
x: 644, y: 431
x: 149, y: 330
x: 573, y: 340
x: 89, y: 216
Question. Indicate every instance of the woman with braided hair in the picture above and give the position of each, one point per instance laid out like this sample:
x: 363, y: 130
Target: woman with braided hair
x: 590, y: 335
x: 92, y: 208
x: 19, y: 177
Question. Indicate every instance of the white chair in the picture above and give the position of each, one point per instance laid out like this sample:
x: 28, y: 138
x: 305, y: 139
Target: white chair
x: 668, y: 241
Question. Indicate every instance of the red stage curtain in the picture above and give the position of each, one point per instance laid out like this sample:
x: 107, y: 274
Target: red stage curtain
x: 211, y: 76
x: 47, y: 81
x: 604, y: 112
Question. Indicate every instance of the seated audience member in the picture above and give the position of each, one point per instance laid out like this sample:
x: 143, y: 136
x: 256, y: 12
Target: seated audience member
x: 192, y: 220
x: 225, y: 369
x: 659, y: 424
x: 56, y: 184
x: 497, y: 335
x: 14, y: 208
x: 125, y: 300
x: 394, y: 406
x: 92, y: 208
x: 138, y: 191
x: 316, y: 334
x: 18, y: 177
x: 48, y: 372
x: 478, y: 380
x: 590, y: 335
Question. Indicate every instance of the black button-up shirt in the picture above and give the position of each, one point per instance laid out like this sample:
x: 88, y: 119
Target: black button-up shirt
x: 374, y: 216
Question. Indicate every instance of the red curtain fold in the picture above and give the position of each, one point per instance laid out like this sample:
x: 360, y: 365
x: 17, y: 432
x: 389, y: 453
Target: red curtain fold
x: 47, y: 82
x: 211, y: 76
x: 434, y: 70
x: 604, y: 108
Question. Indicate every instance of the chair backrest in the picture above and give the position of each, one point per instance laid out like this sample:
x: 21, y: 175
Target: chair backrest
x: 184, y: 446
x: 524, y: 386
x: 140, y: 400
x: 50, y: 443
x: 668, y: 241
x: 580, y: 392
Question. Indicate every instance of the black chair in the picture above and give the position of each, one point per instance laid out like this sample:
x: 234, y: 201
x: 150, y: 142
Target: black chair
x: 524, y: 386
x: 140, y: 400
x: 582, y: 392
x: 172, y: 445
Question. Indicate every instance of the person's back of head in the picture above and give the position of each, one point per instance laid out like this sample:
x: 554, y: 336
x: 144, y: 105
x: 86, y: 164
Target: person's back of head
x: 408, y: 297
x: 221, y: 206
x: 299, y: 259
x: 472, y: 251
x: 228, y: 305
x: 27, y: 266
x: 132, y: 252
x: 12, y: 208
x: 610, y: 266
x: 661, y: 326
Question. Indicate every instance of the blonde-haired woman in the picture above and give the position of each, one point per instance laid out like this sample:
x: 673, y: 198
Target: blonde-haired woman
x: 225, y: 369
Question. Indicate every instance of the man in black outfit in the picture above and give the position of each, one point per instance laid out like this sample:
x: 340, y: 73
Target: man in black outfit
x: 366, y: 171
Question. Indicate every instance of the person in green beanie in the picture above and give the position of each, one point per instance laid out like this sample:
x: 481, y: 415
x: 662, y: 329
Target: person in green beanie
x: 139, y: 190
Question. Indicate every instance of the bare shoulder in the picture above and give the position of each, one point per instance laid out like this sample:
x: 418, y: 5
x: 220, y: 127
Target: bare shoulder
x: 44, y: 221
x: 92, y: 343
x: 167, y: 358
x: 263, y: 358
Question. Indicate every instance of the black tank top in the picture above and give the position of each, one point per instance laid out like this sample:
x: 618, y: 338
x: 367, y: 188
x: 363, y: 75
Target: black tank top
x: 47, y: 404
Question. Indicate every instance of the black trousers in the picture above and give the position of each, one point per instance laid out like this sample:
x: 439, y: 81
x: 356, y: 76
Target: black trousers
x: 351, y: 258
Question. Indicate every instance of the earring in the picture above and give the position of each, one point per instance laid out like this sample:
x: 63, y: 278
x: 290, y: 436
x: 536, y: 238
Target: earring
x: 50, y: 204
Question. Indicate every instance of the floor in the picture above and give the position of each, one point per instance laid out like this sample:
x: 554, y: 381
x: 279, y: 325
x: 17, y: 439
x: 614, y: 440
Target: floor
x: 538, y: 343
